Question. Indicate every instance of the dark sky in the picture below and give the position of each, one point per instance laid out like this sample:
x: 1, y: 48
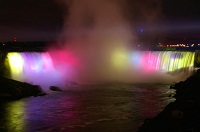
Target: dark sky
x: 181, y: 9
x: 42, y: 20
x: 29, y: 20
x: 182, y: 17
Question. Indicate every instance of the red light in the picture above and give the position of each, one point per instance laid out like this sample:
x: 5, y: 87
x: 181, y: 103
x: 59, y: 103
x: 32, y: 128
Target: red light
x: 15, y: 39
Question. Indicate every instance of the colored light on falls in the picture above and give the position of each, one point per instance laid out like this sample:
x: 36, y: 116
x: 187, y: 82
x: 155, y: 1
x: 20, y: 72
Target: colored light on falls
x: 33, y: 67
x: 120, y: 58
x: 16, y: 60
x: 53, y: 68
x: 37, y: 62
x: 165, y: 61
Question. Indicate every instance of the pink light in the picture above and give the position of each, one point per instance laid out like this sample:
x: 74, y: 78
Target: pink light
x: 150, y: 61
x: 64, y: 57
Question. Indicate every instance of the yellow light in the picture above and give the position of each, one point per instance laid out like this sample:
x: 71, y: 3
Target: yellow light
x: 16, y: 64
x: 16, y: 116
x: 120, y: 58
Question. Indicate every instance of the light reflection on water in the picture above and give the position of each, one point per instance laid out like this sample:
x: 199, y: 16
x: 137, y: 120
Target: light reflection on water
x: 16, y: 116
x: 113, y: 107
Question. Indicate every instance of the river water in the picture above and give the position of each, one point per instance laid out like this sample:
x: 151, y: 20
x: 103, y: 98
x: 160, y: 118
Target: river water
x: 86, y: 108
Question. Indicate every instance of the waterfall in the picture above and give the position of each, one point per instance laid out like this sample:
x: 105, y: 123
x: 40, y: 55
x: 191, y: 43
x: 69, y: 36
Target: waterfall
x: 44, y: 69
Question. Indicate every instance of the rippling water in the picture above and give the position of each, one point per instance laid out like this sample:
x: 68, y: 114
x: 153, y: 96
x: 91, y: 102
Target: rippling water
x: 99, y: 108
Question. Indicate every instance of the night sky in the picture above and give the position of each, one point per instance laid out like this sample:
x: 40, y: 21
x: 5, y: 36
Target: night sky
x: 29, y: 20
x: 182, y: 18
x: 42, y: 20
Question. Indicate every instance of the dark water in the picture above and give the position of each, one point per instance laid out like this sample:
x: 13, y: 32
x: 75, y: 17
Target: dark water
x: 99, y: 108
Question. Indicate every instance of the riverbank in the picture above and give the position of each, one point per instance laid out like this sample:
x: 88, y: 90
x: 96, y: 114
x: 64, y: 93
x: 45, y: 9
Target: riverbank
x: 182, y: 115
x: 12, y: 89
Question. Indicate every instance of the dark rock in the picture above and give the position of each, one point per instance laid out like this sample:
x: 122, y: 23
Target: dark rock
x: 54, y: 88
x: 182, y: 115
x: 12, y: 89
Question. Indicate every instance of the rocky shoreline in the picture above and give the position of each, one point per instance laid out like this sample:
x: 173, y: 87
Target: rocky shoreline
x: 13, y: 90
x: 182, y: 115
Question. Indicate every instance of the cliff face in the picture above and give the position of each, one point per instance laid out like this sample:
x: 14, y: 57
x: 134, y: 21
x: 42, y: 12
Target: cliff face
x: 4, y: 71
x: 181, y: 115
x: 197, y: 58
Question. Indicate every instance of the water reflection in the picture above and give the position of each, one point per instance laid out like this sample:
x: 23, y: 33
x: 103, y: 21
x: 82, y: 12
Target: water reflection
x: 154, y: 97
x: 15, y: 116
x: 92, y: 108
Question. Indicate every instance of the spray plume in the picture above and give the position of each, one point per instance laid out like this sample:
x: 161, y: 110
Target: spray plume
x: 99, y: 38
x: 93, y: 29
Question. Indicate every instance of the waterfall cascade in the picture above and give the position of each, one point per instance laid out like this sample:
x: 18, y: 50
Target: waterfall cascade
x: 44, y: 69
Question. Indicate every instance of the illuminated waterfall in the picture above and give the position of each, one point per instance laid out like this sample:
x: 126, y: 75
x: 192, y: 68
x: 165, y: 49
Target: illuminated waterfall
x: 164, y: 61
x: 43, y: 69
x: 33, y: 67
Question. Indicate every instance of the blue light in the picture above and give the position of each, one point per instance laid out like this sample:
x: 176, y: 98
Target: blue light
x: 141, y: 30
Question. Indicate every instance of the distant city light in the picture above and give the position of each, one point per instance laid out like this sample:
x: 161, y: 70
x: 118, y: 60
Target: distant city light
x: 183, y: 45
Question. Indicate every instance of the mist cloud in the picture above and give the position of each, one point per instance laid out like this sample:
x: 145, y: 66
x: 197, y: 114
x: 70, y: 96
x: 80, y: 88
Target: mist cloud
x: 96, y: 30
